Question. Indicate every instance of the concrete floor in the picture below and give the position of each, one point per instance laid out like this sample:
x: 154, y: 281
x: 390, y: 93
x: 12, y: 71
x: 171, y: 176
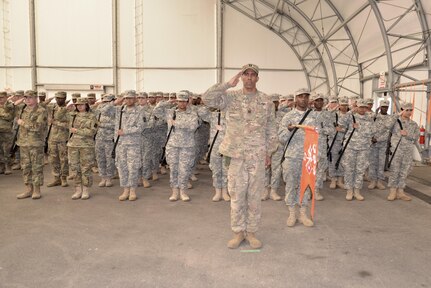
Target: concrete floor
x: 58, y: 242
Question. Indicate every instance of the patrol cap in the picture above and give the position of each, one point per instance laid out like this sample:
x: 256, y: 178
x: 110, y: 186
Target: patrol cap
x: 165, y: 95
x: 76, y: 95
x: 60, y: 94
x: 343, y: 100
x: 173, y: 95
x: 3, y: 94
x: 302, y: 91
x: 108, y: 97
x: 369, y: 100
x: 318, y: 96
x: 30, y: 93
x: 253, y: 67
x: 142, y: 95
x: 130, y: 94
x: 353, y: 97
x: 183, y: 95
x: 159, y: 94
x: 91, y: 96
x: 362, y: 103
x: 406, y: 105
x: 42, y: 94
x: 19, y: 93
x: 384, y: 102
x: 81, y: 100
x: 152, y: 95
x: 287, y: 97
x: 333, y: 99
x: 194, y: 96
x: 275, y: 97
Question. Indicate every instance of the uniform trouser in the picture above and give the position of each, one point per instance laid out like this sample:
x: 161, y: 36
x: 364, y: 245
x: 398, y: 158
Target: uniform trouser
x: 355, y: 162
x: 148, y: 159
x: 32, y: 165
x: 377, y: 161
x: 400, y: 167
x: 322, y: 165
x: 81, y: 161
x: 246, y: 183
x: 218, y: 168
x: 276, y: 168
x: 6, y: 139
x: 292, y: 171
x: 105, y: 162
x: 180, y: 160
x: 159, y: 143
x: 128, y: 161
x: 57, y: 156
x: 334, y: 155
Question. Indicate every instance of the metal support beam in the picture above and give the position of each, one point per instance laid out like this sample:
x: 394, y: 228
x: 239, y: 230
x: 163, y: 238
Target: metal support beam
x: 115, y: 46
x: 220, y: 6
x: 33, y: 45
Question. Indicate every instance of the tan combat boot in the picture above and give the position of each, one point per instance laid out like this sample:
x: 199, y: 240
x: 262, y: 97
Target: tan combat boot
x: 357, y: 195
x: 303, y: 218
x: 253, y: 241
x: 392, y: 194
x: 1, y: 168
x: 16, y: 166
x: 217, y: 196
x: 193, y: 178
x: 291, y: 220
x: 273, y: 195
x: 36, y: 193
x: 155, y: 176
x: 380, y: 185
x: 340, y: 183
x: 85, y: 193
x: 184, y: 197
x: 372, y: 184
x: 163, y: 170
x: 402, y: 196
x: 132, y: 195
x: 146, y: 183
x: 265, y: 195
x: 7, y: 169
x: 125, y: 194
x: 333, y: 184
x: 64, y: 182
x: 175, y: 194
x: 102, y: 183
x: 319, y: 196
x: 349, y: 195
x: 236, y: 240
x: 189, y: 185
x: 108, y: 182
x: 78, y: 192
x: 225, y: 194
x: 56, y: 182
x: 27, y: 193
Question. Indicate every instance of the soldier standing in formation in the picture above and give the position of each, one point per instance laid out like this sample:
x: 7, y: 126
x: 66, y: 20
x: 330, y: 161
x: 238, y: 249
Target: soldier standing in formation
x: 292, y: 165
x: 105, y: 140
x: 148, y: 135
x: 58, y: 120
x: 404, y: 134
x: 83, y: 127
x: 249, y: 142
x: 32, y: 122
x: 6, y: 134
x: 128, y: 150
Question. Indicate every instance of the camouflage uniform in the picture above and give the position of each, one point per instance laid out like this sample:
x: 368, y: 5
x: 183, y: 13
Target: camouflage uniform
x: 356, y: 156
x: 180, y: 149
x: 337, y: 117
x: 250, y: 136
x: 128, y: 151
x: 57, y: 141
x: 6, y: 135
x: 105, y: 139
x: 378, y: 149
x: 81, y: 147
x: 149, y: 162
x: 217, y: 161
x: 292, y: 165
x: 161, y: 130
x: 31, y: 143
x: 326, y: 128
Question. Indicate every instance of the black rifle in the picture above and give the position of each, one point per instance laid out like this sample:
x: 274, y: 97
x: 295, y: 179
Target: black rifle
x: 388, y: 152
x: 118, y: 136
x: 337, y: 164
x: 293, y: 133
x: 163, y: 158
x: 98, y: 120
x: 214, y: 139
x: 45, y: 149
x: 15, y: 137
x: 396, y: 147
x: 329, y: 154
x: 73, y: 122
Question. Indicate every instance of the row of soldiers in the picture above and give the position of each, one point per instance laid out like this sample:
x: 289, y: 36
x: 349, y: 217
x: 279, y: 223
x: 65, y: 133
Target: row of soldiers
x: 348, y: 131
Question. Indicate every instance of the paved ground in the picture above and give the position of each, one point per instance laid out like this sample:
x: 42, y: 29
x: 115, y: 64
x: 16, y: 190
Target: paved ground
x: 58, y: 242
